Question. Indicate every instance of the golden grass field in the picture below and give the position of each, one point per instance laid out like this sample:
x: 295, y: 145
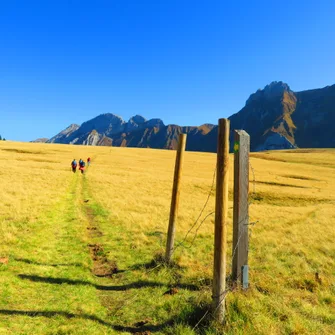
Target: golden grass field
x: 52, y: 219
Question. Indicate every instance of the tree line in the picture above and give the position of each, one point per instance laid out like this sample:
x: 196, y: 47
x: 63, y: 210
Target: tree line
x: 2, y: 139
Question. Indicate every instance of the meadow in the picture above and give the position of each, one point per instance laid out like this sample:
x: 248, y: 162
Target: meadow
x: 80, y: 254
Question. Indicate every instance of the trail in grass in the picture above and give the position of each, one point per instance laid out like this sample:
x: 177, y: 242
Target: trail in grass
x: 47, y: 286
x: 74, y: 271
x: 141, y: 294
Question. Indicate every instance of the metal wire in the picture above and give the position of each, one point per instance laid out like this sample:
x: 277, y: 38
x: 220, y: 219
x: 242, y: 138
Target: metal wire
x: 198, y: 218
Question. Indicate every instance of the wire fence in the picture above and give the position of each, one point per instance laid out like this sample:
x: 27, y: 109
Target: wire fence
x: 181, y: 244
x: 198, y: 223
x: 230, y: 285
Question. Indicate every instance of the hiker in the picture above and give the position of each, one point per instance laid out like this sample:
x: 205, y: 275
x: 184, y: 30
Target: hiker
x: 88, y: 161
x: 81, y: 165
x: 74, y: 166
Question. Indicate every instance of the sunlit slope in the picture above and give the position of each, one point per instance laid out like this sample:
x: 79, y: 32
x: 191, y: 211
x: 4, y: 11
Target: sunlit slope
x: 125, y: 194
x: 33, y: 178
x: 42, y: 234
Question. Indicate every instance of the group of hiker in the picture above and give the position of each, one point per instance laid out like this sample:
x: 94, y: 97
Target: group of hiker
x: 81, y: 165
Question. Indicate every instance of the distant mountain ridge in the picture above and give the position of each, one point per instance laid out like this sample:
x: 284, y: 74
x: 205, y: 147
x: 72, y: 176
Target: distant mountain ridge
x: 105, y: 129
x: 40, y: 140
x: 111, y: 130
x: 275, y: 118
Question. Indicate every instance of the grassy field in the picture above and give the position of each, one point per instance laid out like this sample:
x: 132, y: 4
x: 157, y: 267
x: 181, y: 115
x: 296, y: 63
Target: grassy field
x: 78, y: 253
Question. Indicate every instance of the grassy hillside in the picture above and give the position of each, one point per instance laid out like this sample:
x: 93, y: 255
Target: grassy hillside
x: 78, y: 252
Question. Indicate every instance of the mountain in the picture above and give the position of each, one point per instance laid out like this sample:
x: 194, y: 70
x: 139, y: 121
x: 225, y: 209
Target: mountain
x: 106, y: 129
x: 64, y: 135
x: 314, y: 118
x: 112, y: 130
x: 275, y: 118
x: 278, y: 118
x: 40, y: 140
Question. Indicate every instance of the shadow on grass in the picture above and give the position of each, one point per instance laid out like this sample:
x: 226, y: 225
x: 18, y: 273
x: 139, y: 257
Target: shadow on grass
x: 196, y: 317
x: 67, y: 315
x: 138, y: 284
x: 60, y: 281
x: 50, y: 314
x: 28, y: 261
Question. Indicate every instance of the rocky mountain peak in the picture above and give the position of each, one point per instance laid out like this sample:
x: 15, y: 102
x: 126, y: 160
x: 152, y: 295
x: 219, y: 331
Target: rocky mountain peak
x: 70, y: 128
x: 138, y: 119
x: 276, y: 88
x: 110, y: 117
x: 104, y: 123
x: 273, y: 90
x: 157, y: 123
x: 64, y: 134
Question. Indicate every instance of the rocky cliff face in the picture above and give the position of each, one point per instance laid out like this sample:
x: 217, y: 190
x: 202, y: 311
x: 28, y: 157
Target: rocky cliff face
x: 105, y: 128
x: 266, y: 117
x: 65, y: 135
x: 314, y: 118
x: 275, y: 118
x: 302, y: 119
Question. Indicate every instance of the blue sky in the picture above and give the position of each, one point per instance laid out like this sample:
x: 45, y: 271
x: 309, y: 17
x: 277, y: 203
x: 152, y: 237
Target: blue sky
x: 187, y: 62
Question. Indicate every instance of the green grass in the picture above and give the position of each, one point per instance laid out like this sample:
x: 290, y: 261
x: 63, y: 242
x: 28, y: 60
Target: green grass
x: 139, y: 291
x: 48, y: 281
x: 51, y: 220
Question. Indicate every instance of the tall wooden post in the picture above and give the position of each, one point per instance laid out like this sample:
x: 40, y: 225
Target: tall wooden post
x: 175, y: 197
x: 221, y: 210
x: 241, y: 206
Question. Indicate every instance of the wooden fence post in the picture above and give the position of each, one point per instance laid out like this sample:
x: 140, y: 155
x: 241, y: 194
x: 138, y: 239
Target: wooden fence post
x: 175, y: 197
x: 221, y: 210
x: 241, y: 207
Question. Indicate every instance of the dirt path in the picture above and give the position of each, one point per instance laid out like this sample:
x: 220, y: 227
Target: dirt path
x: 47, y: 286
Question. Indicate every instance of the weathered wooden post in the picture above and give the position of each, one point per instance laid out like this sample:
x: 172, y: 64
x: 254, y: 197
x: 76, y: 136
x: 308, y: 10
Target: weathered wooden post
x: 241, y: 207
x: 221, y: 210
x: 175, y: 197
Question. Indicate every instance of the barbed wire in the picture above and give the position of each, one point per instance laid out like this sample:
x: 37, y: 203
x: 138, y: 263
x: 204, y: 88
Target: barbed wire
x: 198, y: 218
x: 201, y: 212
x: 253, y: 177
x: 210, y: 311
x: 133, y: 297
x: 231, y: 286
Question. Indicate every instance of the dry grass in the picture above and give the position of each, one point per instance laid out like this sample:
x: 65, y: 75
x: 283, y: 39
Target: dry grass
x: 44, y: 219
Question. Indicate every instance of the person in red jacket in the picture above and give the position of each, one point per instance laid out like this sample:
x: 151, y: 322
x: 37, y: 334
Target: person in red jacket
x: 81, y: 165
x: 88, y: 161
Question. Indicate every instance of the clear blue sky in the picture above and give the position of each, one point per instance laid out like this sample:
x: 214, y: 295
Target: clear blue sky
x: 186, y: 61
